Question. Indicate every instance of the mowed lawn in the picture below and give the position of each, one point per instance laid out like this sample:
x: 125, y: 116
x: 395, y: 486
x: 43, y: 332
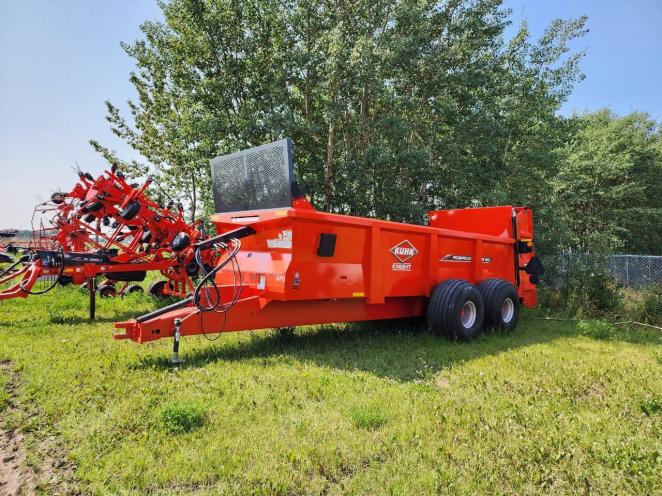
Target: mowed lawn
x: 384, y: 408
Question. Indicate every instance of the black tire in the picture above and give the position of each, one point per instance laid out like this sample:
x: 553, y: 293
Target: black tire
x: 181, y: 241
x: 156, y: 289
x: 455, y: 310
x: 134, y: 288
x: 89, y: 218
x: 192, y: 269
x: 58, y: 198
x: 501, y: 303
x: 106, y: 291
x: 94, y: 206
x: 130, y: 211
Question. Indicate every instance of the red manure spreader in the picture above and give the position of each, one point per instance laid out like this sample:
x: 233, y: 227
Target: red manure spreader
x: 280, y: 262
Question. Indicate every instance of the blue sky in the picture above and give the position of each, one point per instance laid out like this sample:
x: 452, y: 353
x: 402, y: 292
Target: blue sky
x: 59, y: 61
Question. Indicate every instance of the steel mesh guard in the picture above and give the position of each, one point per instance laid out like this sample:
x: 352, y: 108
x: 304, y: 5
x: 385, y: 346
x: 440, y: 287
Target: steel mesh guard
x: 253, y: 179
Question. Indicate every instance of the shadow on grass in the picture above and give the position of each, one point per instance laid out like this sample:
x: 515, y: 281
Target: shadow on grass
x: 78, y: 319
x: 398, y: 350
x: 106, y: 312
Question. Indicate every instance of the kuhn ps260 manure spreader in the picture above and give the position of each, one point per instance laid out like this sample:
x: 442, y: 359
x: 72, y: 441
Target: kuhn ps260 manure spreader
x: 283, y: 263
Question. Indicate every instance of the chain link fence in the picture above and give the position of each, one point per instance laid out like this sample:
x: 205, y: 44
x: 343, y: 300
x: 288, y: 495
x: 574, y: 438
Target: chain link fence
x: 628, y: 270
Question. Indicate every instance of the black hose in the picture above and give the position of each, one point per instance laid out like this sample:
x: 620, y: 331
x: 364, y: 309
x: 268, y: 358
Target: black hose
x: 10, y: 268
x: 56, y: 279
x: 209, y: 277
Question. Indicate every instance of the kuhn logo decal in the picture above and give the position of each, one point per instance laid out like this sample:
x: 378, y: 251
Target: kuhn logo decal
x: 403, y: 251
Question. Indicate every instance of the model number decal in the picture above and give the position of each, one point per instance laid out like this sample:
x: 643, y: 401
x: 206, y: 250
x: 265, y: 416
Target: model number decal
x: 463, y: 258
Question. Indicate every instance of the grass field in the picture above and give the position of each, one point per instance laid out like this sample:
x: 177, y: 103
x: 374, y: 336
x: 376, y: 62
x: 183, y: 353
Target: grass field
x: 383, y: 408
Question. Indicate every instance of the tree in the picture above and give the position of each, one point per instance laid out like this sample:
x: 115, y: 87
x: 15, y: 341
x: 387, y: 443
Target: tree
x: 608, y: 192
x: 395, y: 107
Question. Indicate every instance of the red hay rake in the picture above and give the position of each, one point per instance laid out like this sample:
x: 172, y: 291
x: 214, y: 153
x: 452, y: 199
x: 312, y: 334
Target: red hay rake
x: 105, y: 227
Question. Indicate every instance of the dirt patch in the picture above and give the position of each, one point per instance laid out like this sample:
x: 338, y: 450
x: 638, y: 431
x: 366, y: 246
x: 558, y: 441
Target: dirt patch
x: 17, y: 476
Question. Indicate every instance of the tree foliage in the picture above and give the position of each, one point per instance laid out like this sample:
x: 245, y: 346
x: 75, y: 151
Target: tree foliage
x: 394, y: 107
x: 608, y: 191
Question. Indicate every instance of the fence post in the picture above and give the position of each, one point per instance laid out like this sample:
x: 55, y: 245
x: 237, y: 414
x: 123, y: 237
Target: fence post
x: 627, y: 271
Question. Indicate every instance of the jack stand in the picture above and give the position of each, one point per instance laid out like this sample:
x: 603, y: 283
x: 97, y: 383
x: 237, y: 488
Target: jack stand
x: 92, y: 289
x: 175, y: 344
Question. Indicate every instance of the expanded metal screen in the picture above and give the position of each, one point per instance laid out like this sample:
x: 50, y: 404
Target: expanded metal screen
x: 253, y: 179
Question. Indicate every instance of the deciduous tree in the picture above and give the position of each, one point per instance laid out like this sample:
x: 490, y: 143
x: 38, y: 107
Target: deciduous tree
x: 394, y: 106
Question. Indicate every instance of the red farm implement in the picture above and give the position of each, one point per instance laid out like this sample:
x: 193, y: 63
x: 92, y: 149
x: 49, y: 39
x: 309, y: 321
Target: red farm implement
x: 281, y: 263
x: 7, y: 248
x: 106, y: 227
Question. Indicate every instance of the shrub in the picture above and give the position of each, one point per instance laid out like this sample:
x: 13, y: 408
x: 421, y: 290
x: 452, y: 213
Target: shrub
x: 596, y: 329
x: 589, y: 289
x: 549, y: 297
x: 642, y: 304
x: 652, y: 305
x: 183, y: 417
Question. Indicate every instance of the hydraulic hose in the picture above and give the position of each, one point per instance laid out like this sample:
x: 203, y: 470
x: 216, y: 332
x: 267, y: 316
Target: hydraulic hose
x: 208, y: 280
x: 56, y: 279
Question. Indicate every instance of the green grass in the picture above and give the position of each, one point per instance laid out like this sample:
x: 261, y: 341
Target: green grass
x: 183, y: 416
x: 4, y: 393
x: 383, y: 408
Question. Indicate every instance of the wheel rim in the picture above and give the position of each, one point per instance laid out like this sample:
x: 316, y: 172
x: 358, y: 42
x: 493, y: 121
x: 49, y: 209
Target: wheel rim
x: 507, y: 310
x: 108, y: 292
x: 468, y: 314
